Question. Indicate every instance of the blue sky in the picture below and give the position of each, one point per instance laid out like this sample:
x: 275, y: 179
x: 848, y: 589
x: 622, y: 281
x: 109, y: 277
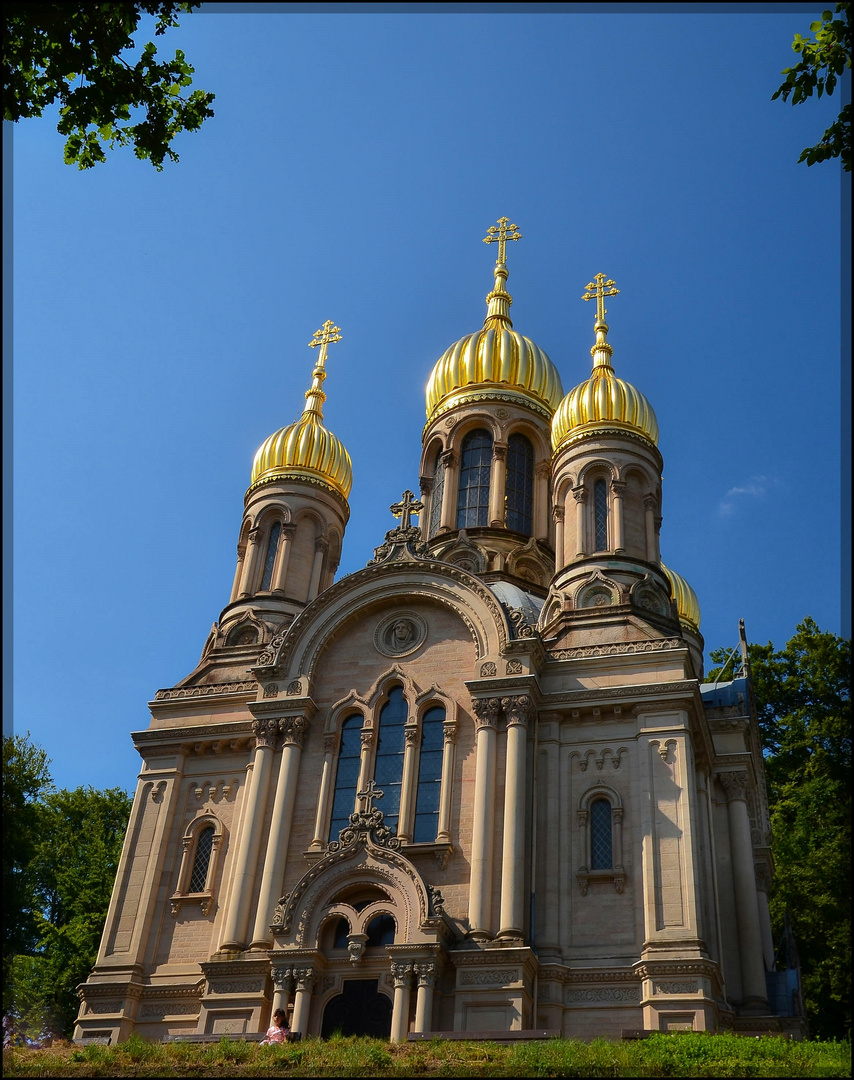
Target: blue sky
x: 355, y: 161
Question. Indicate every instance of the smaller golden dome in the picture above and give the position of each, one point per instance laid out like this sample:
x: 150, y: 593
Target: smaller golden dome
x: 305, y: 449
x: 687, y: 603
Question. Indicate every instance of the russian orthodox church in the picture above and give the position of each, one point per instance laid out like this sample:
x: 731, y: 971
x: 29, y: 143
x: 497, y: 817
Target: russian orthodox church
x: 476, y: 786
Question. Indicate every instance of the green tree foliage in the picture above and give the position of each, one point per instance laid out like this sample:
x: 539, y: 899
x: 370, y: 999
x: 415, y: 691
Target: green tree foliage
x: 75, y: 840
x: 77, y: 54
x: 822, y: 64
x: 803, y: 702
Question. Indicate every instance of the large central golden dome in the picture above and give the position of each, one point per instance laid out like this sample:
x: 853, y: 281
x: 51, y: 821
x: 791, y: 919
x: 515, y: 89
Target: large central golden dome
x: 305, y: 449
x: 494, y: 362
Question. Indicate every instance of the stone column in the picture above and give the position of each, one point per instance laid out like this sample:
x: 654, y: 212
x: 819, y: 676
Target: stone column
x: 763, y: 887
x: 449, y: 492
x: 283, y: 983
x: 243, y: 876
x: 400, y: 1012
x: 542, y: 474
x: 304, y: 978
x: 280, y: 570
x: 649, y: 523
x: 365, y: 770
x: 293, y: 731
x: 450, y: 733
x: 405, y: 823
x: 483, y: 831
x: 497, y: 484
x: 321, y: 546
x: 560, y: 555
x: 330, y: 748
x: 238, y: 574
x: 516, y: 711
x: 746, y: 904
x: 250, y: 561
x: 580, y: 496
x: 426, y: 488
x: 618, y: 488
x: 426, y: 976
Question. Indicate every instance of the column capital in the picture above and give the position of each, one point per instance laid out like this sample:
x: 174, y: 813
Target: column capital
x: 499, y: 450
x: 517, y: 709
x: 410, y: 734
x: 289, y: 530
x: 558, y: 513
x: 330, y: 742
x: 283, y: 978
x: 449, y: 731
x: 618, y: 487
x: 304, y: 978
x: 426, y: 484
x: 449, y: 458
x: 321, y: 544
x: 486, y: 712
x: 649, y: 502
x: 402, y: 974
x: 579, y: 494
x: 543, y: 468
x: 736, y: 785
x: 265, y: 732
x: 367, y: 737
x: 254, y: 535
x: 293, y: 730
x: 426, y: 974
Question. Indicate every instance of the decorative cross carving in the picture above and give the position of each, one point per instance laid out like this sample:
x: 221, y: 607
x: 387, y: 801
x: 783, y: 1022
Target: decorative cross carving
x: 370, y: 793
x: 500, y: 234
x: 407, y: 506
x: 598, y: 290
x: 328, y: 334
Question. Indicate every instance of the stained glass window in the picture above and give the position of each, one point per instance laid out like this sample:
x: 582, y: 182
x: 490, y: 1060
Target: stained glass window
x: 519, y: 488
x: 436, y: 497
x: 429, y: 776
x: 600, y: 512
x: 388, y: 771
x: 347, y: 777
x: 272, y: 547
x: 475, y: 468
x: 600, y: 835
x: 201, y: 860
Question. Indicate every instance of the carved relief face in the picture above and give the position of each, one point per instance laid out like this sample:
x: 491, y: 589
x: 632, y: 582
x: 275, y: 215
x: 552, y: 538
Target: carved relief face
x: 400, y: 634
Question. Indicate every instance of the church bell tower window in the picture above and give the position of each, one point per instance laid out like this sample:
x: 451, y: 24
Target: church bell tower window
x: 475, y: 469
x: 600, y: 514
x: 429, y: 776
x: 201, y: 861
x: 388, y: 771
x: 272, y: 547
x: 347, y: 777
x: 437, y: 495
x: 601, y: 856
x: 519, y: 489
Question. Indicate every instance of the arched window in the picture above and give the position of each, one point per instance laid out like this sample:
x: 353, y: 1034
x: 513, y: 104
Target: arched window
x: 380, y: 931
x: 429, y: 776
x: 202, y: 860
x: 272, y: 548
x: 436, y: 496
x: 388, y: 771
x: 600, y: 515
x: 519, y: 488
x: 347, y: 777
x: 601, y: 857
x: 475, y: 468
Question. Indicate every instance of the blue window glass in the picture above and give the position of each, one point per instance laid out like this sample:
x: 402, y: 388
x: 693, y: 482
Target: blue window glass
x: 380, y: 931
x: 429, y: 776
x: 436, y: 497
x: 388, y: 770
x: 272, y: 547
x: 600, y: 513
x: 475, y: 467
x: 342, y: 932
x: 519, y: 487
x: 347, y: 777
x: 600, y: 835
x: 201, y: 860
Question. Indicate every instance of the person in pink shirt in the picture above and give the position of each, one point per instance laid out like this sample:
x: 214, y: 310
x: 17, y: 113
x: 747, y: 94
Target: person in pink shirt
x: 277, y: 1032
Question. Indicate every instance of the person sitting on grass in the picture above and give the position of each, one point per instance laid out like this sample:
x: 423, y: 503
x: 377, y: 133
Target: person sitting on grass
x: 277, y: 1032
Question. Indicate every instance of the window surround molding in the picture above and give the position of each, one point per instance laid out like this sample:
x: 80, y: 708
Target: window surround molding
x: 189, y: 845
x: 616, y: 873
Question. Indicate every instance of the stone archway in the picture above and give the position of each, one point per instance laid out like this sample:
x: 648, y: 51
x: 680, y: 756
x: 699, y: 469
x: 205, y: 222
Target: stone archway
x: 360, y: 1009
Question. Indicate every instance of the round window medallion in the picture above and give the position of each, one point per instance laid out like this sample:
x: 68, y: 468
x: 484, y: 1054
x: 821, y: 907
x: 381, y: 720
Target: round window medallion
x: 400, y: 633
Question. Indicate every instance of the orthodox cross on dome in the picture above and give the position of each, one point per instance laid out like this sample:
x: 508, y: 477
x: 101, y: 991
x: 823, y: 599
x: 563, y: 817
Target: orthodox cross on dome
x: 328, y: 334
x: 597, y: 290
x: 367, y: 796
x: 407, y: 506
x: 500, y: 234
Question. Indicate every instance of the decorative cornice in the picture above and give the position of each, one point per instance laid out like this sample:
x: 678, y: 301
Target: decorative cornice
x: 617, y: 649
x: 213, y: 690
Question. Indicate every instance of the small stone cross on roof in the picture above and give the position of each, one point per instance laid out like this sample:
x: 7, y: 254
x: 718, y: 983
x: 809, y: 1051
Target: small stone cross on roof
x: 367, y: 796
x: 407, y: 506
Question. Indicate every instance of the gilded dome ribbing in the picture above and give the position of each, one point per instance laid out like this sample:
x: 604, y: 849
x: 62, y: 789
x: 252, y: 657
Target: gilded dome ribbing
x: 306, y: 449
x: 495, y: 359
x: 687, y: 603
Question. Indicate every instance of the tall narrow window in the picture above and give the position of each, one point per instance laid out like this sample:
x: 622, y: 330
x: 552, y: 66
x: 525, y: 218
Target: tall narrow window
x: 347, y: 778
x: 201, y: 861
x: 436, y: 497
x: 600, y: 514
x: 475, y: 467
x: 519, y: 489
x: 272, y: 548
x: 388, y: 772
x: 429, y: 776
x: 600, y: 835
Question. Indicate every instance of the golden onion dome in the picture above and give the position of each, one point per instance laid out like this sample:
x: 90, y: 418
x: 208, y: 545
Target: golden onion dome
x: 603, y: 400
x: 495, y: 360
x: 687, y: 603
x: 306, y: 449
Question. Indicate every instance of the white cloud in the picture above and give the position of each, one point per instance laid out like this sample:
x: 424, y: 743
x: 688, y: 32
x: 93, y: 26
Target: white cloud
x: 754, y: 488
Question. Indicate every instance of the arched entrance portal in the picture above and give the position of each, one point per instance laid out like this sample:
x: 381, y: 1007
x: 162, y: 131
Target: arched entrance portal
x: 359, y: 1010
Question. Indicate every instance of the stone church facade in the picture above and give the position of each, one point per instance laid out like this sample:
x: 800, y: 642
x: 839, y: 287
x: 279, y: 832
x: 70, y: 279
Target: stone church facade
x: 477, y: 785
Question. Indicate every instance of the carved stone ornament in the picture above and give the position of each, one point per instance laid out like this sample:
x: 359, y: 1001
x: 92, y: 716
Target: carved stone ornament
x: 519, y: 623
x: 405, y: 544
x: 293, y: 730
x: 366, y: 826
x: 488, y: 669
x: 271, y: 690
x: 735, y: 785
x: 513, y: 667
x: 402, y: 974
x: 436, y: 900
x: 517, y: 709
x: 294, y: 688
x: 279, y: 911
x: 400, y: 634
x: 486, y: 710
